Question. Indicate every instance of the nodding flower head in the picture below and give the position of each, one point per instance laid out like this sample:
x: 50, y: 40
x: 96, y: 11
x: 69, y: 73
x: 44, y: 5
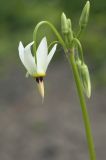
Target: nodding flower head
x: 37, y: 66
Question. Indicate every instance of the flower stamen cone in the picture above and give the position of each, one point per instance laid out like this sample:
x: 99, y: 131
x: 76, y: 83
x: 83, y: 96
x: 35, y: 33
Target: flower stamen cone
x: 40, y: 85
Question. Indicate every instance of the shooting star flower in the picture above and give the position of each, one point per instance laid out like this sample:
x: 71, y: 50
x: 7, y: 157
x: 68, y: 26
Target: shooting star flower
x: 37, y: 66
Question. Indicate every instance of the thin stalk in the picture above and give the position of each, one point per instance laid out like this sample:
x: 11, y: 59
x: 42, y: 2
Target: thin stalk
x: 52, y: 43
x: 83, y: 107
x: 53, y: 29
x: 80, y: 49
x: 79, y: 32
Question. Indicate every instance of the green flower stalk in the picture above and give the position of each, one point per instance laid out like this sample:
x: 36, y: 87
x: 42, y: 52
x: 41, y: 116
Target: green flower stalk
x: 83, y: 106
x: 81, y: 74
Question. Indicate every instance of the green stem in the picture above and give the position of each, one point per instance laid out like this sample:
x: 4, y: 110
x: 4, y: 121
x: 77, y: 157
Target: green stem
x: 80, y: 48
x: 83, y: 107
x: 53, y: 29
x: 52, y: 43
x: 79, y: 32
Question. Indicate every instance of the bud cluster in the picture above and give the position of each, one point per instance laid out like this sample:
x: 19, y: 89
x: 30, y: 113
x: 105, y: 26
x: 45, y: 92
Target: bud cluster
x: 66, y: 26
x: 72, y: 41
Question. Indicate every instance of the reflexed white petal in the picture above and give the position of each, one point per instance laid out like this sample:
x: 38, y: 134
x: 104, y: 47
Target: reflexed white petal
x: 29, y: 60
x: 21, y: 52
x: 41, y: 55
x: 50, y: 55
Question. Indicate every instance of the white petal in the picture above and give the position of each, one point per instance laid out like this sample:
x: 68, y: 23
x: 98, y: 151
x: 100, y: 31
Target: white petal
x: 41, y: 55
x: 50, y: 55
x: 27, y: 58
x: 21, y: 52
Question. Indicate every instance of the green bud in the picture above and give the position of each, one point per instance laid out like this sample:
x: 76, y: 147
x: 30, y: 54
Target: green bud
x: 70, y: 34
x: 84, y: 15
x: 85, y: 77
x: 64, y: 25
x: 86, y: 80
x: 69, y: 23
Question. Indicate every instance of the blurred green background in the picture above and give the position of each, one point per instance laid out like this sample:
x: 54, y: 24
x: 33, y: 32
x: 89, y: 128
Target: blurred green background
x: 54, y: 130
x: 19, y: 17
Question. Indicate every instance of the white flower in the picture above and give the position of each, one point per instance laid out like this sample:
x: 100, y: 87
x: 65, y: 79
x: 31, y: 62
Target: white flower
x: 36, y: 69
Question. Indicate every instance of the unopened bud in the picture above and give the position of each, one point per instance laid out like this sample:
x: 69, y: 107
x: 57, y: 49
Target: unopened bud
x: 69, y: 23
x: 86, y: 80
x: 85, y: 77
x: 70, y: 35
x: 84, y: 15
x: 64, y: 25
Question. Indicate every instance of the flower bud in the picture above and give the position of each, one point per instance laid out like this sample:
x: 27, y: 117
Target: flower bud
x: 85, y: 77
x: 84, y: 15
x: 69, y: 23
x: 64, y: 25
x: 70, y: 35
x: 86, y: 80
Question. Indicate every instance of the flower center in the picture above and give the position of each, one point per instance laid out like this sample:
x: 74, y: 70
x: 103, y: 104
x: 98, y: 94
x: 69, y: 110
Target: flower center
x: 39, y: 79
